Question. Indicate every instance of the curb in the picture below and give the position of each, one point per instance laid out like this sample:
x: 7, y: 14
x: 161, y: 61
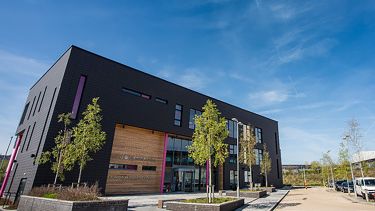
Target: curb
x: 277, y: 203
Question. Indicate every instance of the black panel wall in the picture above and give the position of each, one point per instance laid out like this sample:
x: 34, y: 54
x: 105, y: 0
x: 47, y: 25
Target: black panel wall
x: 105, y: 79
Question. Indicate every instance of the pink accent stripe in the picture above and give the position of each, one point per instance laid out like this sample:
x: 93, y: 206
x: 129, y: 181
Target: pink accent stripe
x: 78, y: 96
x: 10, y: 164
x: 207, y: 174
x: 163, y: 164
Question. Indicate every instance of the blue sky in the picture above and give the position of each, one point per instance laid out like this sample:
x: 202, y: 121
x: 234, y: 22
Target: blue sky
x: 307, y: 64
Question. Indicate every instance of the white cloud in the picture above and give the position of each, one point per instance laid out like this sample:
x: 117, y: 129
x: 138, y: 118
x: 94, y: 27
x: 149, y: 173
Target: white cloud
x: 192, y: 78
x: 269, y: 97
x: 17, y: 74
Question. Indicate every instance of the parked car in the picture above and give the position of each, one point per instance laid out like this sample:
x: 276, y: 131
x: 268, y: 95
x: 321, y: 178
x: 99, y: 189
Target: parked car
x: 345, y: 187
x: 363, y: 184
x: 338, y: 184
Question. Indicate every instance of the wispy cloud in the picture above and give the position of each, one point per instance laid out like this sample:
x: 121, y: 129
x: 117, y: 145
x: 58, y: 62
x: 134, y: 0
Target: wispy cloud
x: 17, y: 74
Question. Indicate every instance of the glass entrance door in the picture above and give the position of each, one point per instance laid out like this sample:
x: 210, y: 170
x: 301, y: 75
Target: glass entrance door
x: 188, y: 181
x: 183, y: 180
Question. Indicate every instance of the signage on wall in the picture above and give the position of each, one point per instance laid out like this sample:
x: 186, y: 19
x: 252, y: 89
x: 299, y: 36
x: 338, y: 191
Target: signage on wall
x: 125, y: 178
x: 137, y: 158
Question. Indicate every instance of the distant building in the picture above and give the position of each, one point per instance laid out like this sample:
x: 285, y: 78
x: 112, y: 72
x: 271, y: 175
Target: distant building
x: 295, y: 168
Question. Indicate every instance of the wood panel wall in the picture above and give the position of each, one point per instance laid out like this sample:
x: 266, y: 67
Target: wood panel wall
x: 135, y: 146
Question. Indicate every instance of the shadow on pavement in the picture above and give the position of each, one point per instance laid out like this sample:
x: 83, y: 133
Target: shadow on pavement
x: 282, y: 205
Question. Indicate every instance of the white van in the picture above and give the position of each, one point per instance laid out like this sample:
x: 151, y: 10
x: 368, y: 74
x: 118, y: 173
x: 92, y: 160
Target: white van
x: 363, y: 184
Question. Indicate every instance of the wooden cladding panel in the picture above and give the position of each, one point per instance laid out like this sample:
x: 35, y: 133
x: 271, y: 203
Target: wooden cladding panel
x: 135, y: 146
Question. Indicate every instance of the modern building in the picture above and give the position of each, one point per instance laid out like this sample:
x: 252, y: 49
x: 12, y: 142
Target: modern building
x: 148, y: 121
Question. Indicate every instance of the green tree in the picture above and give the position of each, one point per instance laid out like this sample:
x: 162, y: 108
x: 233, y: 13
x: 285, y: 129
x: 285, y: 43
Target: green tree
x: 60, y: 153
x: 88, y: 136
x: 329, y: 164
x: 343, y: 167
x: 353, y: 136
x: 247, y: 150
x: 208, y: 140
x: 266, y: 163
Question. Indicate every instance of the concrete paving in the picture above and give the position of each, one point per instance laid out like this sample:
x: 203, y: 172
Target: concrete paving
x: 266, y: 203
x: 319, y: 198
x: 150, y: 201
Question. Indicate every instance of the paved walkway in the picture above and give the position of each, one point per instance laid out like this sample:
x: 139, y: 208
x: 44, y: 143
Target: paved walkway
x: 149, y: 202
x: 319, y: 198
x: 266, y: 203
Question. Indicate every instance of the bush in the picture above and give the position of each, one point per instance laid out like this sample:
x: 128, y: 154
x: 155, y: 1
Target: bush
x: 88, y: 193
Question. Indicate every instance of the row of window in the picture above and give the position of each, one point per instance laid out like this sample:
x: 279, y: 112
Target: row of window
x: 233, y: 154
x: 233, y: 177
x: 130, y: 167
x: 143, y: 95
x: 231, y: 125
x: 32, y: 106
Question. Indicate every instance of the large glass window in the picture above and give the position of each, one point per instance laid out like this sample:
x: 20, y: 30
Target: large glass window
x: 232, y: 128
x: 232, y: 177
x: 258, y: 135
x: 192, y: 115
x: 178, y: 115
x: 177, y: 152
x: 232, y: 153
x: 247, y: 176
x: 258, y: 156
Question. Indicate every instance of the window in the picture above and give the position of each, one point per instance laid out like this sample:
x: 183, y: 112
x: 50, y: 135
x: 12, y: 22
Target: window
x: 247, y: 176
x: 136, y: 93
x: 193, y: 113
x: 178, y: 115
x: 122, y: 166
x: 148, y: 168
x: 177, y: 152
x: 232, y: 177
x: 24, y: 113
x: 278, y: 168
x: 258, y: 135
x: 258, y: 156
x: 232, y: 153
x: 276, y: 144
x: 232, y: 128
x: 160, y: 100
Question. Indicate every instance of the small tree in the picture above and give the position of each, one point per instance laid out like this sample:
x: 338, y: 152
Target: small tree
x: 343, y: 166
x: 328, y: 162
x: 353, y: 136
x: 247, y: 153
x: 88, y: 136
x: 208, y: 140
x: 266, y: 163
x: 60, y: 153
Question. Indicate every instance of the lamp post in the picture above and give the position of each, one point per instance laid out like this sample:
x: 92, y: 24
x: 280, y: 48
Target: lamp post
x: 346, y: 137
x: 238, y: 161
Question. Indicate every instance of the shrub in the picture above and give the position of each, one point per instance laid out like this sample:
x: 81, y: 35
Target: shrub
x: 88, y: 193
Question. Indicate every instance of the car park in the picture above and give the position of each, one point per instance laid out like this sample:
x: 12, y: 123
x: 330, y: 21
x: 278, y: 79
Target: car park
x: 365, y: 185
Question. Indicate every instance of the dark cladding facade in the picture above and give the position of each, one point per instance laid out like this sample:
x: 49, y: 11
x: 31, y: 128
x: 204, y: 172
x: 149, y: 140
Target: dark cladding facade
x: 133, y: 103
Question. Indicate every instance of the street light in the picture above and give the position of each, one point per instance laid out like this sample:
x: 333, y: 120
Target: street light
x: 238, y: 161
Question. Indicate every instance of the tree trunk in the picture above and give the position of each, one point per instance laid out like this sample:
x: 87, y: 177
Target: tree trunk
x: 251, y: 176
x: 360, y: 167
x: 80, y: 174
x: 58, y: 168
x: 210, y: 182
x: 265, y: 173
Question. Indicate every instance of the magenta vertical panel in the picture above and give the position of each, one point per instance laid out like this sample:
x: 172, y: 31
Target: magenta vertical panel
x: 10, y: 164
x: 77, y: 98
x: 163, y: 164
